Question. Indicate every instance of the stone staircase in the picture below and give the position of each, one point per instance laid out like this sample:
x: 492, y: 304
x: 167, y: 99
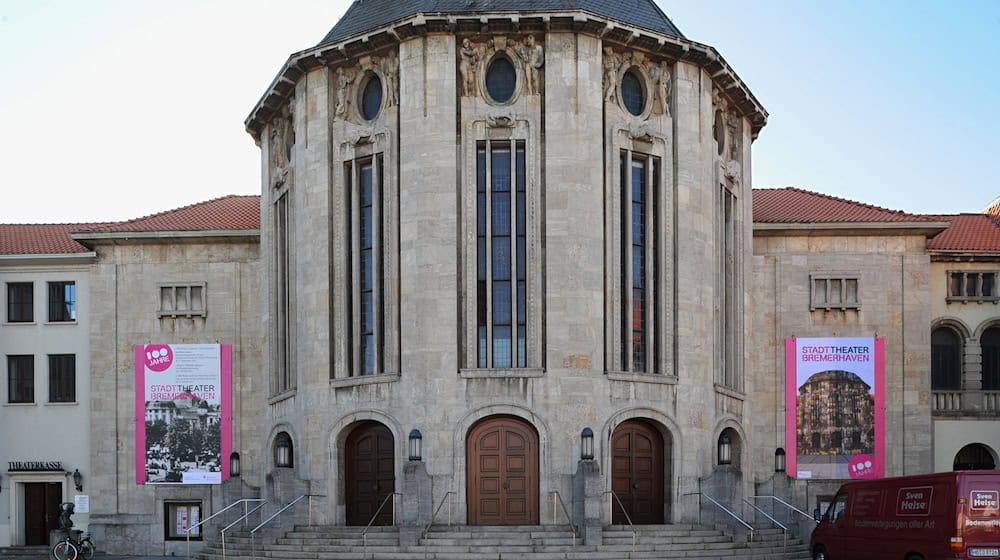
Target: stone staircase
x: 24, y: 552
x: 536, y: 542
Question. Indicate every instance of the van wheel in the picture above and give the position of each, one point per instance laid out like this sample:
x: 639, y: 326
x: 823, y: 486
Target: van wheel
x: 819, y: 553
x: 914, y: 557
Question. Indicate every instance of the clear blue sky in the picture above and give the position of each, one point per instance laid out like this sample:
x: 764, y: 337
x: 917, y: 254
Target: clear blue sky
x: 112, y: 110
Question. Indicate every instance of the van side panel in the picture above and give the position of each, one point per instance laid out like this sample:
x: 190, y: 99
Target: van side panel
x: 979, y: 514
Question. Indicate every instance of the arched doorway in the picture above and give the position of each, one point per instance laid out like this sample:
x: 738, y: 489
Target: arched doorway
x: 370, y: 473
x: 502, y: 472
x: 974, y: 457
x: 637, y: 473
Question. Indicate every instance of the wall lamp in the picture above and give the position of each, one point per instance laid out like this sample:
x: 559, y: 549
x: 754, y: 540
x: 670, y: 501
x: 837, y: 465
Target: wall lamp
x: 234, y: 464
x: 416, y: 445
x: 587, y: 444
x: 78, y: 480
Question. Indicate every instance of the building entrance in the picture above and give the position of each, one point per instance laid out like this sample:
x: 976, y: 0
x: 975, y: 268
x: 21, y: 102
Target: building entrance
x: 41, y: 511
x: 637, y: 473
x: 502, y: 477
x: 370, y: 473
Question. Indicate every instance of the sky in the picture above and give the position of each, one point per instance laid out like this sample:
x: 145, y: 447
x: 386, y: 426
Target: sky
x: 117, y: 109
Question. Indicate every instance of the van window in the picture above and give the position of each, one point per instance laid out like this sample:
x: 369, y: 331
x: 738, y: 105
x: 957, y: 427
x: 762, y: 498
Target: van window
x: 867, y: 503
x: 836, y: 510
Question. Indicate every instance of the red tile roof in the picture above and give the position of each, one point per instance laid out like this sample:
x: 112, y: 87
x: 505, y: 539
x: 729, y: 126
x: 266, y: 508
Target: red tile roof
x: 993, y: 209
x: 41, y: 239
x: 226, y: 213
x: 792, y: 205
x: 967, y: 233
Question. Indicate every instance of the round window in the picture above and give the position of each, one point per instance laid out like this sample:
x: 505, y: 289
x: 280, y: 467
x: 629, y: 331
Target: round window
x: 633, y: 95
x: 501, y: 79
x: 371, y: 98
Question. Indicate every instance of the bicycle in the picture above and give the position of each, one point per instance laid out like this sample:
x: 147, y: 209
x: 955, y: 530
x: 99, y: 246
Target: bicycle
x: 70, y: 548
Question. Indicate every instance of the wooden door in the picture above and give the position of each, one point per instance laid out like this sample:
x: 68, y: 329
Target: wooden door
x: 637, y: 473
x: 502, y: 477
x: 371, y: 474
x: 41, y: 511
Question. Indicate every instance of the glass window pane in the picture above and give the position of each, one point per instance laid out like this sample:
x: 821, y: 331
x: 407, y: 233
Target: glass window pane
x: 633, y: 96
x: 501, y: 347
x: 501, y: 79
x: 501, y: 258
x: 501, y: 214
x: 371, y: 99
x: 501, y: 303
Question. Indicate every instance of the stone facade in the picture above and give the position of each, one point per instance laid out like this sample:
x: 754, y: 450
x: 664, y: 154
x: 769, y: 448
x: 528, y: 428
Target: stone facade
x: 126, y: 278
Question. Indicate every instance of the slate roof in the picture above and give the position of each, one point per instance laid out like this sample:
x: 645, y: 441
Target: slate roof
x: 367, y: 15
x: 41, y: 239
x: 226, y: 213
x: 797, y: 206
x: 967, y: 233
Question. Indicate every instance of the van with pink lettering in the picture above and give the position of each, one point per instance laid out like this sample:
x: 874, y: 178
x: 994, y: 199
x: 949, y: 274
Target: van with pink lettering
x: 943, y: 516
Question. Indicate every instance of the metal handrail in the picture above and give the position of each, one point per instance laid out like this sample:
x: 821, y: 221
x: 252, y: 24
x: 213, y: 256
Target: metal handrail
x: 364, y: 534
x: 765, y: 514
x: 433, y: 517
x: 788, y: 505
x: 611, y: 514
x: 279, y: 512
x: 243, y: 501
x: 222, y: 533
x: 572, y: 527
x: 725, y: 509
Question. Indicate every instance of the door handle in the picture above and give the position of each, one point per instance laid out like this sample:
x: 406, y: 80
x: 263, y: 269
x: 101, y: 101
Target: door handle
x: 505, y: 485
x: 635, y: 486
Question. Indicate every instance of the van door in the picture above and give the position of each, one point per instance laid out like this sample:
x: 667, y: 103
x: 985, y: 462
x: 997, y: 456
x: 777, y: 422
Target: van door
x: 836, y: 528
x: 981, y: 523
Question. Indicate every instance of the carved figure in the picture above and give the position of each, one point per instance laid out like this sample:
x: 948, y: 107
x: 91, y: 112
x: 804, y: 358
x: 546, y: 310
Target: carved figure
x: 612, y: 63
x: 344, y: 80
x: 661, y: 74
x: 467, y: 67
x: 733, y: 135
x: 280, y: 141
x: 534, y: 57
x: 390, y: 69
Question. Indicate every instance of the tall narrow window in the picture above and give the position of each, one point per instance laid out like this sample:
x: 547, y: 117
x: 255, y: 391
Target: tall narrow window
x: 283, y: 366
x: 62, y: 301
x: 365, y: 179
x: 639, y: 270
x: 20, y: 302
x: 990, y: 343
x: 501, y: 257
x: 20, y: 379
x: 729, y: 324
x: 62, y: 378
x: 946, y: 360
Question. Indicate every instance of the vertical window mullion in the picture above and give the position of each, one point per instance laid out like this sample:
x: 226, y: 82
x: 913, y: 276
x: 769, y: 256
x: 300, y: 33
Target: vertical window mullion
x: 482, y: 261
x: 627, y: 260
x: 376, y: 263
x: 489, y: 253
x: 651, y: 265
x: 512, y: 201
x: 358, y: 363
x: 520, y: 252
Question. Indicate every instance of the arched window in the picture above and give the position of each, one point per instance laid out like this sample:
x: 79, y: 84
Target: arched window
x: 974, y: 457
x: 946, y: 360
x: 990, y: 342
x: 284, y: 455
x: 633, y: 93
x: 501, y: 78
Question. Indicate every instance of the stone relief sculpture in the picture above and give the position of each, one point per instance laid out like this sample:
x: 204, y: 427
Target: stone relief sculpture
x: 661, y: 73
x: 390, y: 70
x: 467, y: 67
x: 612, y: 64
x: 279, y: 147
x: 534, y: 57
x: 733, y: 134
x: 345, y: 77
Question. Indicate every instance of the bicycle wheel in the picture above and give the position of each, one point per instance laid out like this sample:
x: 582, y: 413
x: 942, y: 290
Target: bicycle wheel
x: 64, y: 550
x: 87, y: 549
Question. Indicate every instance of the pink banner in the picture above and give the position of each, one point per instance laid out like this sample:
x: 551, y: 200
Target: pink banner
x: 183, y: 413
x: 835, y: 407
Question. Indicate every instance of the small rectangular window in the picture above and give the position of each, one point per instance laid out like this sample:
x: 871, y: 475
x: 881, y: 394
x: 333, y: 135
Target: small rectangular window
x: 62, y: 378
x: 62, y: 301
x: 972, y: 286
x: 182, y: 300
x: 179, y: 518
x: 20, y: 302
x: 834, y: 291
x: 20, y: 379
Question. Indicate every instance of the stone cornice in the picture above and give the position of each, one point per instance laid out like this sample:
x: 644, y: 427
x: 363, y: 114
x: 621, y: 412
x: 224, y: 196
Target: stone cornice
x: 236, y: 236
x: 926, y: 229
x: 964, y: 256
x: 610, y: 31
x: 48, y: 260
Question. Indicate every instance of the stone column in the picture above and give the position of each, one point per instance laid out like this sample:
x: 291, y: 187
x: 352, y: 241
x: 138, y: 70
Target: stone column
x: 587, y: 487
x: 416, y: 510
